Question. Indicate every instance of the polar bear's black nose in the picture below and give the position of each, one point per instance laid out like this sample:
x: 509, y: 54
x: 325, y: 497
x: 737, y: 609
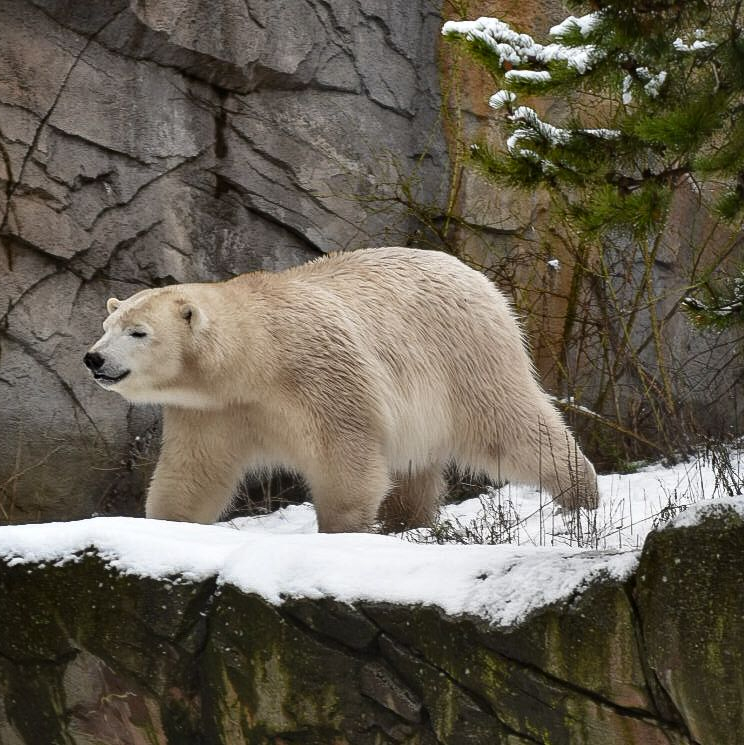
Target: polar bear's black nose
x: 93, y: 361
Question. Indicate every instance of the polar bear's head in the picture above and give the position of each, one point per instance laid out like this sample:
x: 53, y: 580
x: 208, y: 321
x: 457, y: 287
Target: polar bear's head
x: 148, y: 348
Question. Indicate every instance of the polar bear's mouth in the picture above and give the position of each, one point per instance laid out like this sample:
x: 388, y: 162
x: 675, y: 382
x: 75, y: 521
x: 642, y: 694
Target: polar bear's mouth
x: 110, y: 379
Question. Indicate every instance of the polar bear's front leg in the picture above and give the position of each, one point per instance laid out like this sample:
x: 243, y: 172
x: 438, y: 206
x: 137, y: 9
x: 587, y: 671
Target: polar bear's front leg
x: 198, y: 469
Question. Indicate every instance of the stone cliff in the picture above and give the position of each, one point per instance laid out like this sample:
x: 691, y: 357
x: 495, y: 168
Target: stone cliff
x: 148, y: 143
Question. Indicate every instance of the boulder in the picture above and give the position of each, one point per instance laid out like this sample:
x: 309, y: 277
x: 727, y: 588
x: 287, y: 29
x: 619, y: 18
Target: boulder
x: 690, y: 598
x: 97, y: 650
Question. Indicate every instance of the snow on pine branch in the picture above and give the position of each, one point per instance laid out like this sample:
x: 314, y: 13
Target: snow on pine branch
x: 697, y: 45
x: 502, y: 98
x: 520, y: 50
x: 653, y: 81
x: 536, y: 129
x: 650, y: 82
x: 719, y: 310
x: 584, y: 24
x: 532, y: 76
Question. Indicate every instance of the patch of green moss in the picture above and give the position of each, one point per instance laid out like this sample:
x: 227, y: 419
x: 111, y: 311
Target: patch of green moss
x: 689, y: 593
x: 140, y: 634
x: 519, y: 673
x: 270, y: 678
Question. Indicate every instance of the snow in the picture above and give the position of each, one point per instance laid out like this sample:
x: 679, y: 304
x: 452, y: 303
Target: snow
x: 722, y: 311
x: 627, y: 93
x: 531, y: 76
x: 508, y: 44
x: 586, y: 24
x: 654, y: 81
x: 552, y: 553
x: 554, y: 135
x: 279, y: 557
x: 537, y: 128
x: 580, y: 59
x: 631, y: 506
x: 516, y: 50
x: 707, y: 508
x: 696, y: 46
x: 501, y: 98
x: 521, y: 49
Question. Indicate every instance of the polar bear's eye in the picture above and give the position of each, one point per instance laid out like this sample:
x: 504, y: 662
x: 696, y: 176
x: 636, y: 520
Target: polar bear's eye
x: 138, y: 334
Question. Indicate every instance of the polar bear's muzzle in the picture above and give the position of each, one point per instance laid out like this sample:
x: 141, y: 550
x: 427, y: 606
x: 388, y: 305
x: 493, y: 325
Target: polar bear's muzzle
x: 105, y: 377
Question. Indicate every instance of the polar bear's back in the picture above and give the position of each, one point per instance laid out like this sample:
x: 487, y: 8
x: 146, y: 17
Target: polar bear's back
x: 414, y: 301
x: 433, y: 343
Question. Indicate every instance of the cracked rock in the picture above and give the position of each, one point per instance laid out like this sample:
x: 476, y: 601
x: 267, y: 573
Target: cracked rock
x: 143, y: 144
x: 381, y: 684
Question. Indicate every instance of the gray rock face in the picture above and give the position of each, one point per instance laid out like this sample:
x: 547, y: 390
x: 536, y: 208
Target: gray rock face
x: 180, y: 140
x: 98, y: 655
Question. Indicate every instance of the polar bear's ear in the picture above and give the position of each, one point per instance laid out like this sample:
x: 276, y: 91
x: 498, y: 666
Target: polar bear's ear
x: 112, y: 304
x: 194, y: 316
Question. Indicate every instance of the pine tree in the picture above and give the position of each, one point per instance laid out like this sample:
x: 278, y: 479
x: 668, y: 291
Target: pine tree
x: 667, y: 81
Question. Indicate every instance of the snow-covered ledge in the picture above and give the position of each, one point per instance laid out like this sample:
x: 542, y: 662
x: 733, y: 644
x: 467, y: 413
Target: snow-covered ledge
x: 132, y: 629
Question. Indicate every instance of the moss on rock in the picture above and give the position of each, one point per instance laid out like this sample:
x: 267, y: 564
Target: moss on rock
x: 690, y: 590
x: 94, y: 655
x: 91, y: 646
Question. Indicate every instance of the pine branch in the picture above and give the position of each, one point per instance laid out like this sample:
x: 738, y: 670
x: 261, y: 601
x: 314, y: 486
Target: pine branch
x: 670, y: 78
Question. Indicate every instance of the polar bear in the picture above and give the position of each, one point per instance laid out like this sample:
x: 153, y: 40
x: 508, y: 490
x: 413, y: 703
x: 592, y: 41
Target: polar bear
x: 365, y: 372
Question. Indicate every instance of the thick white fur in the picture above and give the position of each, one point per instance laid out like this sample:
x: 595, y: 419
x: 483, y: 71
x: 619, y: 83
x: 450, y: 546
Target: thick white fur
x: 365, y: 372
